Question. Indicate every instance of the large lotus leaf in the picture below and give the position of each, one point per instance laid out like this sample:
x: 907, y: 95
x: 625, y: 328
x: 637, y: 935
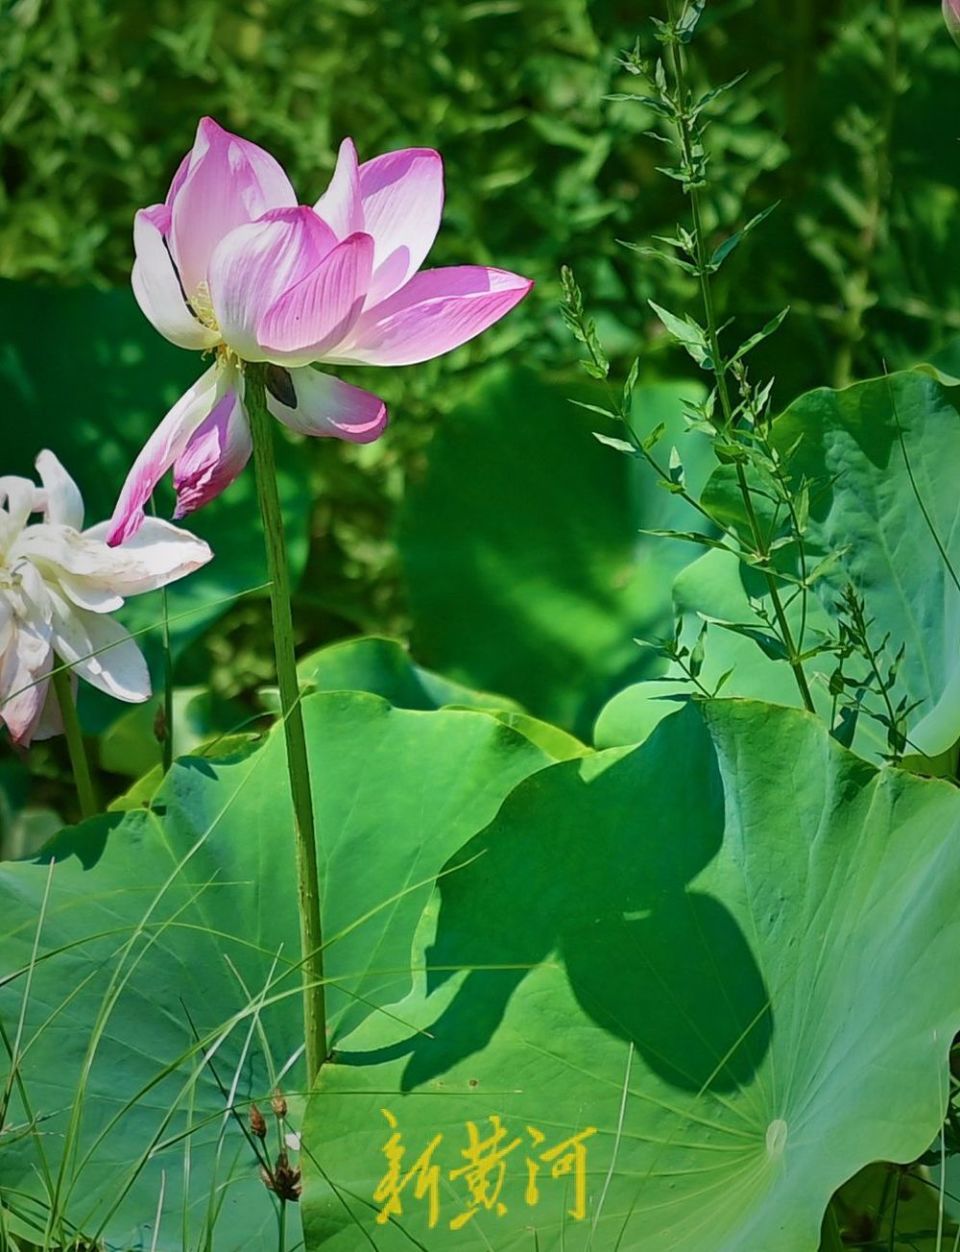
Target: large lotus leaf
x: 717, y: 585
x: 886, y: 455
x: 385, y: 668
x: 727, y: 956
x: 882, y: 458
x: 521, y: 552
x: 397, y: 793
x: 84, y: 373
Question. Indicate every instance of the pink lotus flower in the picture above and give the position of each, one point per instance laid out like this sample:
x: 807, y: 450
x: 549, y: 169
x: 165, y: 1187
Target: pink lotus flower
x: 230, y: 263
x: 59, y: 585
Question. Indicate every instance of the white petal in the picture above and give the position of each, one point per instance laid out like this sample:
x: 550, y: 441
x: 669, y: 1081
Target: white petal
x: 158, y: 554
x: 100, y: 651
x: 18, y: 499
x: 156, y: 283
x: 62, y: 501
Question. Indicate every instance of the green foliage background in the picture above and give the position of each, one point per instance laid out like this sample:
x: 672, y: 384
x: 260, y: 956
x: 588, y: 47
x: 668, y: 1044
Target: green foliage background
x: 99, y: 103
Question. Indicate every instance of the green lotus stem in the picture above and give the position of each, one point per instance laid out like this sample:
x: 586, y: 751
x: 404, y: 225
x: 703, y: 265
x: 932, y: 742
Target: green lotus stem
x: 311, y: 932
x: 166, y: 745
x: 83, y: 779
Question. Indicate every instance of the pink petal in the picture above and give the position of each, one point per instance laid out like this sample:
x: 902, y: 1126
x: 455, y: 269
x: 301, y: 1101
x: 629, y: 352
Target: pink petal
x: 340, y: 206
x: 316, y: 404
x: 183, y: 169
x: 320, y: 309
x: 437, y: 311
x: 228, y: 182
x: 402, y: 195
x: 256, y: 264
x: 160, y: 451
x: 157, y: 287
x: 217, y: 452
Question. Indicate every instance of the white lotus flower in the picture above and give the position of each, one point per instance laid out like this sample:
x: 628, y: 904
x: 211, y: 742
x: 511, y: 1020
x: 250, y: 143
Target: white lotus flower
x: 59, y: 584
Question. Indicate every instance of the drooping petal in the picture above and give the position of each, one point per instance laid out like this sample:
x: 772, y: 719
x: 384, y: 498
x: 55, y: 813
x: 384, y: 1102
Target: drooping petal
x: 160, y: 451
x: 99, y: 650
x: 437, y: 311
x: 97, y: 577
x: 340, y: 206
x: 26, y: 655
x: 256, y: 264
x: 402, y: 197
x: 228, y: 182
x: 324, y: 406
x: 217, y: 452
x: 50, y: 721
x: 320, y: 309
x: 62, y: 501
x: 23, y: 692
x: 156, y: 284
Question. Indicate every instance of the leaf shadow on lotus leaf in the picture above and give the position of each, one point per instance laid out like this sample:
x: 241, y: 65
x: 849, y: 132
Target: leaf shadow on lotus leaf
x: 649, y: 958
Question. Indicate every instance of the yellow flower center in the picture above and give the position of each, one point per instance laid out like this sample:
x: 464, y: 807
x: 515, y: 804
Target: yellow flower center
x: 203, y: 307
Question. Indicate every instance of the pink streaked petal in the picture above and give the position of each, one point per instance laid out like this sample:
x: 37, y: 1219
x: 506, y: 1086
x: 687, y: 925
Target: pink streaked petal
x: 437, y: 311
x: 229, y: 182
x: 217, y: 452
x: 324, y: 406
x: 402, y: 196
x: 179, y: 178
x: 340, y: 206
x: 157, y: 287
x: 160, y: 451
x: 256, y: 264
x: 50, y: 722
x: 24, y: 671
x: 321, y: 309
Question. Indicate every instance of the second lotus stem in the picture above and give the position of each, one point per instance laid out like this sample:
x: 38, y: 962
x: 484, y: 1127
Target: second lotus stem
x: 79, y: 763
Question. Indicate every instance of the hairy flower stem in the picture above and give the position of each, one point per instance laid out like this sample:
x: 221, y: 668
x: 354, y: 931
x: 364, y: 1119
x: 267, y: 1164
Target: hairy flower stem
x: 311, y: 933
x: 83, y: 779
x: 686, y: 139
